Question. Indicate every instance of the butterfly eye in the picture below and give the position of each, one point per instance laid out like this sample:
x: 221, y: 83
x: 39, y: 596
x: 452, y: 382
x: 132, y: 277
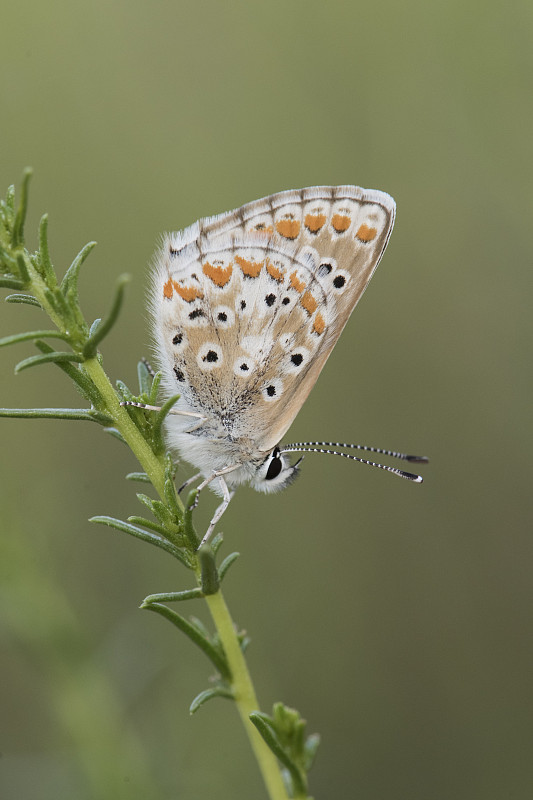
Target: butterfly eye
x: 275, y: 466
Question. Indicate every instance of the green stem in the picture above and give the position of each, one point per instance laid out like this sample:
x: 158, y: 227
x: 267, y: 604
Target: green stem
x: 242, y: 685
x: 244, y: 694
x: 152, y: 465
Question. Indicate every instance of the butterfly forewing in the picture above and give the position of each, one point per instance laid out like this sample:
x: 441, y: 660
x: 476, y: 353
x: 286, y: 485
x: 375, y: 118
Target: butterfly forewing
x: 248, y: 305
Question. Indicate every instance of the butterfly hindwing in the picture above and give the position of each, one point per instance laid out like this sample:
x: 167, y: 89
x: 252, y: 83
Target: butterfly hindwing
x: 248, y: 305
x: 239, y: 327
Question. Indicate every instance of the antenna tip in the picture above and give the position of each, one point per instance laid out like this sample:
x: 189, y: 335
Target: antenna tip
x: 417, y: 459
x: 411, y: 477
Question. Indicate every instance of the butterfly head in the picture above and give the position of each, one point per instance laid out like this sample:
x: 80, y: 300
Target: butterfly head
x: 275, y: 472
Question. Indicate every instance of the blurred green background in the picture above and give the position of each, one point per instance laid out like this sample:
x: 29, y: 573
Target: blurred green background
x: 397, y: 618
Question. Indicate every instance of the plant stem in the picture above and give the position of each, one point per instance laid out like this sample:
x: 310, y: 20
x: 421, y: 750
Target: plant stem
x: 242, y: 685
x: 153, y: 466
x: 244, y: 694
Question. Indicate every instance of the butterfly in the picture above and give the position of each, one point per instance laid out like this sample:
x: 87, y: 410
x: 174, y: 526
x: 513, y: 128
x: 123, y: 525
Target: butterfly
x: 246, y: 308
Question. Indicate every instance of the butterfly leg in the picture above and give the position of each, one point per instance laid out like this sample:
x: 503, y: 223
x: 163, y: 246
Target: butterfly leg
x: 226, y: 494
x: 176, y: 412
x: 189, y: 481
x: 220, y: 510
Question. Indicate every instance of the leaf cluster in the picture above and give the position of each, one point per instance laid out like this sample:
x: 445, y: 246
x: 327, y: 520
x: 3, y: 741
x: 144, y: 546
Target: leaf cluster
x: 284, y: 732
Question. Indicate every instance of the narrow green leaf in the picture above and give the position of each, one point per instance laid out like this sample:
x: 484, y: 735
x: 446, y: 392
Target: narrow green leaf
x: 60, y: 302
x: 51, y: 413
x: 150, y: 524
x: 52, y: 301
x: 216, y: 542
x: 195, y: 636
x: 11, y: 283
x: 10, y: 200
x: 28, y: 335
x: 20, y: 218
x: 263, y: 723
x: 44, y: 252
x: 83, y: 383
x: 100, y: 417
x: 160, y: 418
x: 208, y: 694
x: 28, y: 299
x: 310, y: 748
x: 10, y: 263
x: 188, y: 527
x: 210, y: 578
x: 170, y: 468
x: 144, y: 378
x: 89, y: 350
x: 155, y: 388
x: 69, y: 284
x: 115, y: 433
x: 171, y: 497
x: 226, y: 564
x: 172, y: 597
x: 142, y: 477
x: 24, y: 275
x: 126, y: 527
x: 125, y: 394
x: 158, y: 509
x: 54, y: 358
x: 94, y: 326
x: 146, y: 501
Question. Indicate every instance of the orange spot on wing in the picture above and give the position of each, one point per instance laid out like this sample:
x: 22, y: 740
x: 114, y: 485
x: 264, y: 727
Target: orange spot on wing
x: 188, y: 293
x: 309, y: 303
x: 313, y: 222
x: 288, y: 228
x: 168, y: 290
x: 296, y: 284
x: 340, y: 222
x: 219, y: 275
x: 319, y: 325
x: 274, y: 271
x: 249, y: 268
x: 366, y: 234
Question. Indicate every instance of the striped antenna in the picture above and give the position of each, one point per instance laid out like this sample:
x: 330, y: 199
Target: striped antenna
x: 318, y: 447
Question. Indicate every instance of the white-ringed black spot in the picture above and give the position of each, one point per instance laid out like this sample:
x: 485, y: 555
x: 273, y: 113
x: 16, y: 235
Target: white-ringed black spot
x: 272, y: 391
x: 324, y: 269
x: 222, y: 317
x: 178, y: 338
x: 196, y: 313
x: 286, y: 301
x: 339, y: 281
x: 209, y: 356
x: 179, y: 374
x: 242, y: 366
x: 297, y: 359
x: 243, y: 304
x: 270, y: 299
